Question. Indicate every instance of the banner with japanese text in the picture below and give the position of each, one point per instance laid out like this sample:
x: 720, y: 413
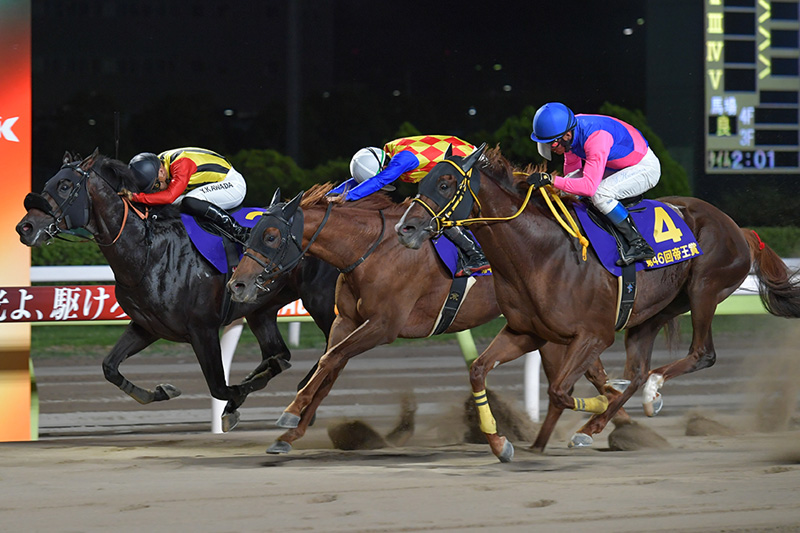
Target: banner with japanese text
x: 78, y: 303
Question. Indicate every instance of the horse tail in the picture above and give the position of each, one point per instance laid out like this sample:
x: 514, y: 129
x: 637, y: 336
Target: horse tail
x: 778, y: 287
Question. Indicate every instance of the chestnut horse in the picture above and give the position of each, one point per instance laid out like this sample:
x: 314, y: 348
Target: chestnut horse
x: 163, y: 283
x: 386, y: 291
x: 547, y: 293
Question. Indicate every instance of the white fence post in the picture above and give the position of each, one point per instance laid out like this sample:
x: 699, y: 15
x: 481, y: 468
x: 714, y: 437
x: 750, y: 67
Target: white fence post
x: 533, y: 362
x: 228, y: 342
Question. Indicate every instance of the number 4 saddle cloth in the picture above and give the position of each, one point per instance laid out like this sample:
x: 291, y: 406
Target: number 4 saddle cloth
x: 660, y: 225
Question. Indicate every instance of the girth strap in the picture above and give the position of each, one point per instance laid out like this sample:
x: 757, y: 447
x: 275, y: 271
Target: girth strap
x: 455, y: 297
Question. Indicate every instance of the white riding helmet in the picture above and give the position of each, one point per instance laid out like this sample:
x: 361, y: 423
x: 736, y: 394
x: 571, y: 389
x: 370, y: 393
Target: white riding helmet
x: 368, y: 162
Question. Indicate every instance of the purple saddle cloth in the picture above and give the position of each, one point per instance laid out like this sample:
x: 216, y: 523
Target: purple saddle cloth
x: 661, y: 227
x: 209, y: 245
x: 448, y: 253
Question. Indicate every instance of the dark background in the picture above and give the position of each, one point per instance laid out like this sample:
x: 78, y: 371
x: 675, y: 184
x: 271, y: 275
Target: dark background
x: 319, y: 79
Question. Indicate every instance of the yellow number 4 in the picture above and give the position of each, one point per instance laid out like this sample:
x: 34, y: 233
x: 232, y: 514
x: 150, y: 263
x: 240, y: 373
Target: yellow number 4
x: 664, y: 228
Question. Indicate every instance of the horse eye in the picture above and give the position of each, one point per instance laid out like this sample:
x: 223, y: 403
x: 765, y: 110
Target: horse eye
x: 443, y: 186
x: 64, y: 187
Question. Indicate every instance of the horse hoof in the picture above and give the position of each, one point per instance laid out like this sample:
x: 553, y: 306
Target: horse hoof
x: 230, y: 421
x: 279, y: 447
x: 508, y: 452
x: 580, y: 440
x: 654, y: 407
x: 170, y: 391
x: 288, y: 421
x: 618, y: 385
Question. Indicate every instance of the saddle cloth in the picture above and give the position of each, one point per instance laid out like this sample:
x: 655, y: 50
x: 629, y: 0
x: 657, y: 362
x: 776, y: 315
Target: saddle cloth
x: 448, y: 253
x: 210, y: 245
x: 659, y: 224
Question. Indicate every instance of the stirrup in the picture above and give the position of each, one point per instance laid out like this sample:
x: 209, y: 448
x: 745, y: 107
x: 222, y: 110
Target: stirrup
x: 634, y: 256
x: 467, y: 270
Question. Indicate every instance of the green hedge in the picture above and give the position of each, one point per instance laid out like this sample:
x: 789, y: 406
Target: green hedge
x: 784, y: 240
x: 59, y: 252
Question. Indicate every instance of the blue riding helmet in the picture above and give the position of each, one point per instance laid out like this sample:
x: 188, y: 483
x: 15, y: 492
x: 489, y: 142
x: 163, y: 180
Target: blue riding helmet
x: 550, y: 122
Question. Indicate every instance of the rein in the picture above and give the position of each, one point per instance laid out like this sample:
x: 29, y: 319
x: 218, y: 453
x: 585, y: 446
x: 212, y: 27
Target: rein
x: 548, y: 193
x: 127, y: 205
x: 372, y: 248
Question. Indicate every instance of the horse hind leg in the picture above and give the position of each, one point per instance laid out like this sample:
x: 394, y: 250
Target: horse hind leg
x: 702, y: 304
x: 134, y: 339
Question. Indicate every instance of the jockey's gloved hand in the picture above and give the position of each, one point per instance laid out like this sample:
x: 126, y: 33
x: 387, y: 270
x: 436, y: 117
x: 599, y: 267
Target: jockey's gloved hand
x: 539, y: 179
x: 125, y: 193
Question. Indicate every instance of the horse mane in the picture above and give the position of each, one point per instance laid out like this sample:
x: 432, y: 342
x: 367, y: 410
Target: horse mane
x: 504, y: 173
x: 512, y: 178
x: 376, y: 201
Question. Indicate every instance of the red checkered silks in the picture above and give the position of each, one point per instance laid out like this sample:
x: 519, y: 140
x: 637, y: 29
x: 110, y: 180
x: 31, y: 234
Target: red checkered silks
x: 429, y: 149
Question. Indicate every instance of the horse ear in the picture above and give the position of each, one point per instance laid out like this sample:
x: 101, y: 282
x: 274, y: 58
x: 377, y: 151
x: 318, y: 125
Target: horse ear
x: 449, y: 152
x: 67, y: 158
x: 470, y: 160
x: 276, y: 198
x: 290, y: 208
x: 88, y: 163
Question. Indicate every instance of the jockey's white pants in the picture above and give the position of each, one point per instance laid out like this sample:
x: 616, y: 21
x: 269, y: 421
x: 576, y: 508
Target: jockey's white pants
x: 627, y: 182
x: 227, y: 194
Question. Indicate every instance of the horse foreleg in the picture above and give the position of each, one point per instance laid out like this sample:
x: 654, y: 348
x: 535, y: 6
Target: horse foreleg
x: 357, y: 341
x: 639, y: 341
x: 611, y: 388
x: 506, y: 346
x: 283, y: 444
x: 134, y: 339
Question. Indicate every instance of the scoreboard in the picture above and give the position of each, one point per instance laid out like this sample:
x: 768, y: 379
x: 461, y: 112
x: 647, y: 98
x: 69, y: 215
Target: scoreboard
x: 752, y: 86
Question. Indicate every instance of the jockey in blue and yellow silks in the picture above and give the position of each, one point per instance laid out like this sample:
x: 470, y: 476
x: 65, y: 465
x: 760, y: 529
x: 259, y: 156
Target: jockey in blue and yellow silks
x: 203, y: 182
x: 409, y: 159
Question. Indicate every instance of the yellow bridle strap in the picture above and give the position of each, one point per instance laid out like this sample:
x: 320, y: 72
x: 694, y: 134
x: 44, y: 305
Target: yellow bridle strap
x: 572, y: 228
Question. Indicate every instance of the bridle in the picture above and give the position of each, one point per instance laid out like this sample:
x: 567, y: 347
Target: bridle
x: 73, y: 211
x: 452, y: 211
x: 289, y: 251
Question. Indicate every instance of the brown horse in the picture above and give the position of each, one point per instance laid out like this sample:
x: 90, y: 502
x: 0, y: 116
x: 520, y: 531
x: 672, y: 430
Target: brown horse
x: 386, y: 291
x: 547, y: 293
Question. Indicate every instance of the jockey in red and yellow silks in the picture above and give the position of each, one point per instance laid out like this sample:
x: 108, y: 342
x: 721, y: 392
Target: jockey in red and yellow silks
x: 203, y: 182
x: 410, y: 159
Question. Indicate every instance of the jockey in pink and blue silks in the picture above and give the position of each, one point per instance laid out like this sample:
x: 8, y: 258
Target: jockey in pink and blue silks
x: 605, y: 159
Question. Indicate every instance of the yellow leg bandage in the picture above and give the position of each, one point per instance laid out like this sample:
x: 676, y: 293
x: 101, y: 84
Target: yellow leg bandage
x: 595, y: 405
x: 488, y: 424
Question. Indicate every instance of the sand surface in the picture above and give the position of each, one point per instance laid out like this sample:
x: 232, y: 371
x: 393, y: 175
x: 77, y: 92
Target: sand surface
x: 732, y: 472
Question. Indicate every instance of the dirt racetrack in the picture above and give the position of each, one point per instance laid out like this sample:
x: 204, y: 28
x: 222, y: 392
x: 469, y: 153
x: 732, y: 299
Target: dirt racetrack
x: 719, y: 468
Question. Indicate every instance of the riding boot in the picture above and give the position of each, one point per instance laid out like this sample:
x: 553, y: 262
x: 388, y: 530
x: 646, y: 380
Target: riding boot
x: 638, y: 249
x: 216, y: 215
x: 476, y: 261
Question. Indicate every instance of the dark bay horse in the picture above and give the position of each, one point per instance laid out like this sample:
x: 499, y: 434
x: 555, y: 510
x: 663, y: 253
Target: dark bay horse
x: 386, y: 290
x: 549, y: 294
x: 163, y: 283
